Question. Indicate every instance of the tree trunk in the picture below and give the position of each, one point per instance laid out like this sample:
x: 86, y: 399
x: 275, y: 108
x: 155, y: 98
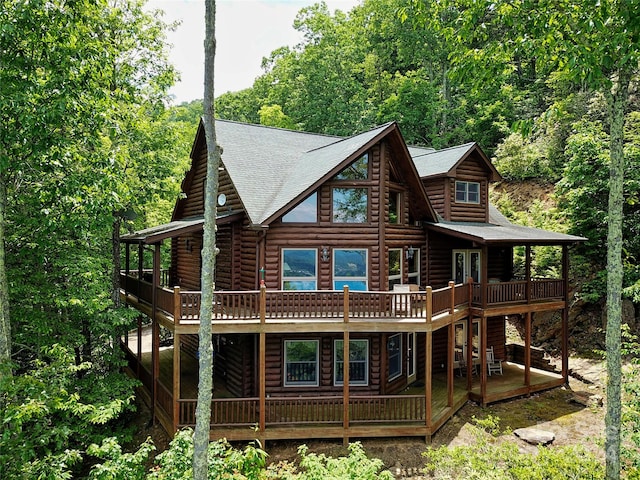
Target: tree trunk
x: 205, y: 380
x: 5, y: 324
x: 618, y: 101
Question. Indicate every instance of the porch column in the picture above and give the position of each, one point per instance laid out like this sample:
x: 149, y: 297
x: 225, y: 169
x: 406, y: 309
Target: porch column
x: 527, y: 350
x: 428, y: 384
x: 469, y: 358
x: 176, y: 381
x: 139, y: 347
x: 155, y: 353
x: 450, y: 350
x: 262, y: 366
x: 345, y: 385
x: 527, y: 266
x: 484, y: 280
x: 483, y: 359
x: 565, y: 314
x: 140, y: 260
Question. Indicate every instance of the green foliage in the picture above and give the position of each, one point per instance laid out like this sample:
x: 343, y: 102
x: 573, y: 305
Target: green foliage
x: 52, y: 411
x: 224, y: 461
x: 490, y: 457
x: 119, y: 465
x: 354, y: 466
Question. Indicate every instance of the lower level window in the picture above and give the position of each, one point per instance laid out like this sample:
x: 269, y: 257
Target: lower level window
x: 358, y: 362
x: 394, y: 351
x: 301, y: 363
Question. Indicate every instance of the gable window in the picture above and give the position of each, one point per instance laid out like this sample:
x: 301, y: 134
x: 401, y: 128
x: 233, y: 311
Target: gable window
x: 467, y: 192
x: 358, y: 362
x: 350, y: 268
x: 299, y: 269
x: 305, y: 212
x: 394, y: 351
x: 394, y: 207
x: 358, y: 170
x: 301, y: 363
x: 466, y: 263
x: 350, y: 205
x: 395, y: 267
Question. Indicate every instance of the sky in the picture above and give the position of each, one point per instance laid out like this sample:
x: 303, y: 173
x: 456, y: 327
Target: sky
x: 246, y: 31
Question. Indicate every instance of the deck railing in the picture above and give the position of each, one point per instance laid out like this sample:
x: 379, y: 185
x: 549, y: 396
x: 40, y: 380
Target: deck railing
x: 319, y: 410
x: 337, y: 305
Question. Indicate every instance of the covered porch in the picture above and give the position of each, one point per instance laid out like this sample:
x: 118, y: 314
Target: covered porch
x: 416, y: 411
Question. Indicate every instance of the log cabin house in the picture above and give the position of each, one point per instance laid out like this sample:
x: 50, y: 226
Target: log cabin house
x: 332, y: 248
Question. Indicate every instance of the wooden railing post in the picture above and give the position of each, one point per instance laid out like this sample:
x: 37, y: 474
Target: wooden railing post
x: 470, y: 290
x: 263, y: 304
x: 429, y: 303
x: 452, y: 286
x: 177, y: 306
x: 345, y: 303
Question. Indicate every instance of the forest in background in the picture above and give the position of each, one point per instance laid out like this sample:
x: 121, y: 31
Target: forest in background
x: 89, y: 146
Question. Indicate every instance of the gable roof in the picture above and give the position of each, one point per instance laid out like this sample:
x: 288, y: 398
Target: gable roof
x: 273, y: 169
x: 444, y: 162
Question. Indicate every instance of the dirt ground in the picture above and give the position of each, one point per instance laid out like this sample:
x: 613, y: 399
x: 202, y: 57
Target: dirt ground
x: 554, y: 410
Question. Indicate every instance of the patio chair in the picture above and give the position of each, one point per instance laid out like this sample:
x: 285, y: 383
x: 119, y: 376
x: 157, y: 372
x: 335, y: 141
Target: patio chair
x: 462, y: 365
x: 493, y: 365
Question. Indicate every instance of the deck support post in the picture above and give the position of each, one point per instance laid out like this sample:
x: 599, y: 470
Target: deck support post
x: 428, y: 367
x: 450, y: 357
x: 527, y: 350
x: 176, y: 381
x: 469, y: 358
x: 345, y: 371
x: 528, y: 272
x: 565, y: 314
x: 262, y: 367
x: 155, y: 330
x: 483, y: 360
x: 139, y: 347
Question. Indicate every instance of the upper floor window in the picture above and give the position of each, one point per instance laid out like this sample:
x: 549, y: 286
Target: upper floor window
x: 305, y: 212
x: 467, y: 192
x: 350, y: 268
x: 395, y: 267
x: 299, y: 269
x: 350, y: 205
x: 413, y: 265
x: 358, y: 170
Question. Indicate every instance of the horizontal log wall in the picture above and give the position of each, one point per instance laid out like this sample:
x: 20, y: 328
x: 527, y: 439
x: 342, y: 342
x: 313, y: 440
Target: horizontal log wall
x: 471, y: 170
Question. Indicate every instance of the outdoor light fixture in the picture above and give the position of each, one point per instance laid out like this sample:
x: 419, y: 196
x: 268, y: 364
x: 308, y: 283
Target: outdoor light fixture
x: 410, y: 252
x: 324, y: 254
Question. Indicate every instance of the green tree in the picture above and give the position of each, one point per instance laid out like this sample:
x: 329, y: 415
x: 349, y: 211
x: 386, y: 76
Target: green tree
x: 595, y: 44
x: 209, y: 251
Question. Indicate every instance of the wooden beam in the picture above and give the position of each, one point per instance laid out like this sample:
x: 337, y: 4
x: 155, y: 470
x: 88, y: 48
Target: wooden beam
x: 483, y: 359
x: 428, y: 367
x: 565, y: 314
x: 527, y: 349
x: 176, y: 381
x: 345, y: 387
x: 450, y: 349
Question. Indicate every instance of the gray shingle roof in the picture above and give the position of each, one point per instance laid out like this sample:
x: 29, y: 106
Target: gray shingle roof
x: 437, y: 162
x: 271, y: 167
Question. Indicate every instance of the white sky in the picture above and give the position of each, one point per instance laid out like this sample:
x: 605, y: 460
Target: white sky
x: 246, y: 31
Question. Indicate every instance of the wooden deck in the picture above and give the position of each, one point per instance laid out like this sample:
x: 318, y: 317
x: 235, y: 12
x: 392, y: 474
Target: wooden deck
x: 323, y: 417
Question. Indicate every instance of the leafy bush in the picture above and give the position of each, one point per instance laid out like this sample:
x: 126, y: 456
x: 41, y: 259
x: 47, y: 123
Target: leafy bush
x: 52, y: 411
x: 489, y: 457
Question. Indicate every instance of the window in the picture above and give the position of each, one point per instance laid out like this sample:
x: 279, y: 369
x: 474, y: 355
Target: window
x: 299, y: 269
x: 395, y: 267
x: 350, y: 268
x: 358, y: 362
x: 301, y: 363
x: 466, y: 263
x: 350, y: 205
x: 413, y: 265
x: 395, y: 202
x: 305, y: 212
x: 467, y: 192
x: 394, y: 350
x: 358, y: 170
